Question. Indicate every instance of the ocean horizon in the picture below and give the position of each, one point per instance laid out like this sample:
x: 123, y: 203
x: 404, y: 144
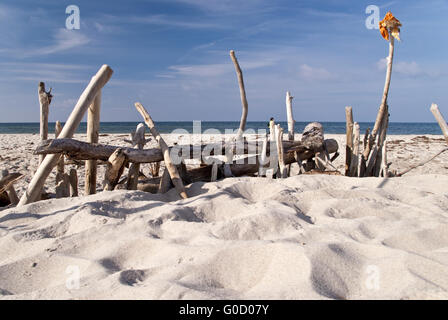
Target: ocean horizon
x: 399, y: 128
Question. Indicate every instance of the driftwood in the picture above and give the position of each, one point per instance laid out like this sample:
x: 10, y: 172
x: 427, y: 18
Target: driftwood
x: 98, y: 81
x: 44, y: 102
x: 60, y: 165
x: 177, y: 181
x: 154, y: 169
x: 289, y: 116
x: 244, y: 104
x: 114, y: 169
x: 93, y: 128
x: 382, y: 110
x: 7, y: 185
x: 280, y: 152
x: 381, y: 142
x: 262, y: 170
x: 63, y: 187
x: 349, y: 139
x: 354, y: 164
x: 138, y: 139
x: 441, y: 121
x: 73, y: 183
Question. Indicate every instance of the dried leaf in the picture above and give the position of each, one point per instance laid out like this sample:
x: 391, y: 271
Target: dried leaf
x: 390, y: 23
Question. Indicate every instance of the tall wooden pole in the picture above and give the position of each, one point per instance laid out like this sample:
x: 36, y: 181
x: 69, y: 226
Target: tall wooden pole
x: 244, y: 104
x: 290, y: 116
x: 96, y: 84
x: 349, y: 139
x: 383, y: 106
x: 93, y: 128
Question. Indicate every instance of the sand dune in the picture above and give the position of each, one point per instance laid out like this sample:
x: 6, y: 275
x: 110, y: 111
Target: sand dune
x: 305, y: 237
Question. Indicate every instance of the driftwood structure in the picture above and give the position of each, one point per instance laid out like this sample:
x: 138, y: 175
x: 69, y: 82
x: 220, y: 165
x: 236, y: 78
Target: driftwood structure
x: 98, y: 81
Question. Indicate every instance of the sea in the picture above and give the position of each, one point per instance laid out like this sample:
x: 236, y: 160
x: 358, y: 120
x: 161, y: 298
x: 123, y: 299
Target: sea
x: 399, y: 128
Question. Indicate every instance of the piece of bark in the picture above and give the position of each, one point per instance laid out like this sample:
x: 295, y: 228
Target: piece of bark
x: 244, y: 103
x: 37, y: 182
x: 114, y: 169
x: 174, y: 174
x: 93, y: 128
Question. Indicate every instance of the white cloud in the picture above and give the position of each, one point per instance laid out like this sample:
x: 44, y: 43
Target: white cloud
x: 311, y: 73
x: 64, y: 40
x: 402, y: 67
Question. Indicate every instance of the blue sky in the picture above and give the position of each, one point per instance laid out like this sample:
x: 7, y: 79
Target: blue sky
x: 173, y: 56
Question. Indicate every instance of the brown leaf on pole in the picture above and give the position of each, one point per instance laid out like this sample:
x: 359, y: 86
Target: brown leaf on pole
x: 390, y: 24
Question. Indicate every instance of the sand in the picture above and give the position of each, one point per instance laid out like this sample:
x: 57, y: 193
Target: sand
x: 305, y: 237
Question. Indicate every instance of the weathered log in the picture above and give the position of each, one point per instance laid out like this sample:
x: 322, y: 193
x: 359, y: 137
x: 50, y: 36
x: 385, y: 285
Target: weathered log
x: 313, y: 136
x: 98, y: 81
x: 440, y: 120
x: 174, y: 174
x: 384, y: 170
x: 114, y: 169
x: 44, y: 102
x: 381, y: 140
x: 244, y: 104
x: 93, y: 128
x: 73, y: 183
x: 349, y: 139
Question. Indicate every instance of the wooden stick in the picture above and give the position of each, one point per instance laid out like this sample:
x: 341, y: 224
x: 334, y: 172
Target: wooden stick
x: 354, y: 164
x: 44, y: 102
x: 174, y: 174
x: 442, y: 123
x: 421, y: 163
x: 349, y: 139
x: 114, y: 169
x: 93, y: 128
x: 382, y: 109
x: 73, y: 183
x: 98, y: 81
x: 244, y: 104
x: 290, y: 116
x: 61, y: 164
x: 154, y: 169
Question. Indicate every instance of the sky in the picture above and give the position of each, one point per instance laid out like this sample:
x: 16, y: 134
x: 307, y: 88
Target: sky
x: 173, y: 57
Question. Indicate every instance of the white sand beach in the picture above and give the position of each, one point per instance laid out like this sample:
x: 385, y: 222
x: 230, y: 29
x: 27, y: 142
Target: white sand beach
x: 304, y: 237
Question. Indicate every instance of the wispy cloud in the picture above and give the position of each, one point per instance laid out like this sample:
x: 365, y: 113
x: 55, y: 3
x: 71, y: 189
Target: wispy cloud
x: 313, y: 73
x: 64, y: 40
